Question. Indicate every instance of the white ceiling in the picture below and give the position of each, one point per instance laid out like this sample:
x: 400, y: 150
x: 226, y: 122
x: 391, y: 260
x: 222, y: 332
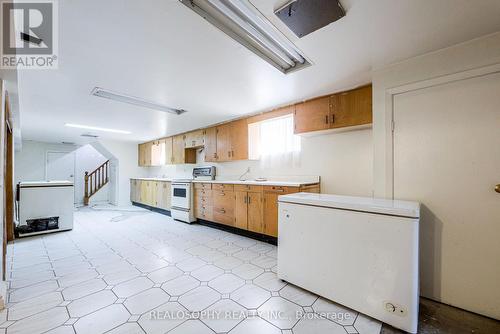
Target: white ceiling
x: 162, y: 51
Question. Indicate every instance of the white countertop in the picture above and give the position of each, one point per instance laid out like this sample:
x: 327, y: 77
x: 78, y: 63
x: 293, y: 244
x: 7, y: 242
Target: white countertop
x: 45, y: 183
x: 165, y: 179
x: 365, y: 204
x: 291, y: 181
x: 262, y: 183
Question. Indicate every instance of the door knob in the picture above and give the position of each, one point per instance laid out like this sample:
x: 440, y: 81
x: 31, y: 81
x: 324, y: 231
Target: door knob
x: 497, y: 188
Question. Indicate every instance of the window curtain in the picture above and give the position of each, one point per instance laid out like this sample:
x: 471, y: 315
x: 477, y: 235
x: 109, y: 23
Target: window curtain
x: 276, y: 143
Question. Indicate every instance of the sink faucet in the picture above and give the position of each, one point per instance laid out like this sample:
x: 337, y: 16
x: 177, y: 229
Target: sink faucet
x: 241, y: 178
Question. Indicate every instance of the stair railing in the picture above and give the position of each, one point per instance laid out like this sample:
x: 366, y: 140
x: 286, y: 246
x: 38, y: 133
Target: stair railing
x: 95, y: 181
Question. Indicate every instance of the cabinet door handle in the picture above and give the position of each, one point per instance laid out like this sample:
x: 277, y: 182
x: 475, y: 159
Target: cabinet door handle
x: 248, y: 199
x: 326, y: 119
x: 222, y: 194
x: 245, y: 200
x: 222, y: 211
x: 333, y: 118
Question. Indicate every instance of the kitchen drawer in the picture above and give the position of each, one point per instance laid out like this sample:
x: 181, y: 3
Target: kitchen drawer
x: 202, y: 185
x: 223, y: 186
x: 204, y: 200
x: 223, y: 199
x: 202, y: 212
x: 222, y: 217
x: 248, y: 187
x: 203, y: 193
x: 281, y: 189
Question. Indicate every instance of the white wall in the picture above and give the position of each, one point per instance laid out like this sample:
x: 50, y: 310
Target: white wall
x: 343, y: 161
x: 124, y: 165
x: 445, y: 274
x: 476, y: 53
x: 30, y: 165
x: 87, y: 159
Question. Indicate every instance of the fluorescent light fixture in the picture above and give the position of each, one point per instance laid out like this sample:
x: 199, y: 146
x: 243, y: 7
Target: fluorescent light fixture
x: 120, y: 97
x: 88, y: 127
x: 240, y: 20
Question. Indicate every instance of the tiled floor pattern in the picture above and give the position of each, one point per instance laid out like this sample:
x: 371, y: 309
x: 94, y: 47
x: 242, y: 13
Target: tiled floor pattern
x: 141, y: 272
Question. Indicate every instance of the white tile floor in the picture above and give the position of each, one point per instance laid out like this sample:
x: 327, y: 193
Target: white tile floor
x: 134, y: 271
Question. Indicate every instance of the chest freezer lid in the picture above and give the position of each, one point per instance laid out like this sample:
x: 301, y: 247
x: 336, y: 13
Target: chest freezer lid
x: 364, y: 204
x: 55, y: 183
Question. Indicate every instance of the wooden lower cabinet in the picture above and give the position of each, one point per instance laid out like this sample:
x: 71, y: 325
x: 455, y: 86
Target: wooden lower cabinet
x: 248, y: 207
x: 203, y: 202
x: 240, y: 210
x: 133, y: 190
x: 255, y: 212
x: 153, y: 193
x: 270, y: 226
x: 163, y: 195
x: 146, y: 192
x: 223, y: 207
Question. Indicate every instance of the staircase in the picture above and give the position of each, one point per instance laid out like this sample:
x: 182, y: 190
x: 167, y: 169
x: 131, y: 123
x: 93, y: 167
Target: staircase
x: 95, y: 181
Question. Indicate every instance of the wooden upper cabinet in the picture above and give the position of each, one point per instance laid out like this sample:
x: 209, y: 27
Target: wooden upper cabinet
x: 158, y: 152
x: 346, y: 109
x: 194, y: 139
x: 239, y: 140
x: 210, y: 137
x: 178, y: 151
x: 232, y: 141
x: 224, y: 142
x: 181, y: 155
x: 145, y: 151
x: 141, y: 155
x: 312, y: 115
x: 168, y: 150
x: 352, y: 108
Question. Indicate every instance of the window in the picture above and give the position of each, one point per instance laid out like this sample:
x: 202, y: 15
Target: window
x: 273, y: 140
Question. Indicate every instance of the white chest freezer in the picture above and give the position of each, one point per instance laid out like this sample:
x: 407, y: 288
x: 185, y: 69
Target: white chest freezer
x: 45, y: 200
x: 358, y: 252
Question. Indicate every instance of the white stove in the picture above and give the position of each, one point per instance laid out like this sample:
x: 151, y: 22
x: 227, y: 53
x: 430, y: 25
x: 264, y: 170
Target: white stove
x: 182, y: 194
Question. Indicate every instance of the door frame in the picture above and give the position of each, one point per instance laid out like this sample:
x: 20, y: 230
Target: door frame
x: 66, y: 152
x: 74, y: 167
x: 391, y: 93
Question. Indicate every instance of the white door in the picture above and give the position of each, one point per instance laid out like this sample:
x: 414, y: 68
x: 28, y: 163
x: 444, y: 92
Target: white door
x: 447, y: 156
x: 60, y: 166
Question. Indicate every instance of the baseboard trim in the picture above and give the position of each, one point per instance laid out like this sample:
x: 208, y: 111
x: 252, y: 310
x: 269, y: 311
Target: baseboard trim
x: 152, y: 208
x: 235, y: 230
x: 245, y: 233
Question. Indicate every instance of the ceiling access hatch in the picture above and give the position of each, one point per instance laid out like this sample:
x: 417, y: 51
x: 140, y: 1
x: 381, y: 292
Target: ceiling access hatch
x: 306, y: 16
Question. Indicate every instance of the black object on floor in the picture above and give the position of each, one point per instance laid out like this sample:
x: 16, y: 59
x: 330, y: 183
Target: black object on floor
x: 38, y: 225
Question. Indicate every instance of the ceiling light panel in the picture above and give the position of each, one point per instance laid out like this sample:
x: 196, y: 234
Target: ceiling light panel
x: 120, y: 97
x: 96, y: 128
x: 240, y: 20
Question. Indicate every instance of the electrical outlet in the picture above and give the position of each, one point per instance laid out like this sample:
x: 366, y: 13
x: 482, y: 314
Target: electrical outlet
x: 395, y: 309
